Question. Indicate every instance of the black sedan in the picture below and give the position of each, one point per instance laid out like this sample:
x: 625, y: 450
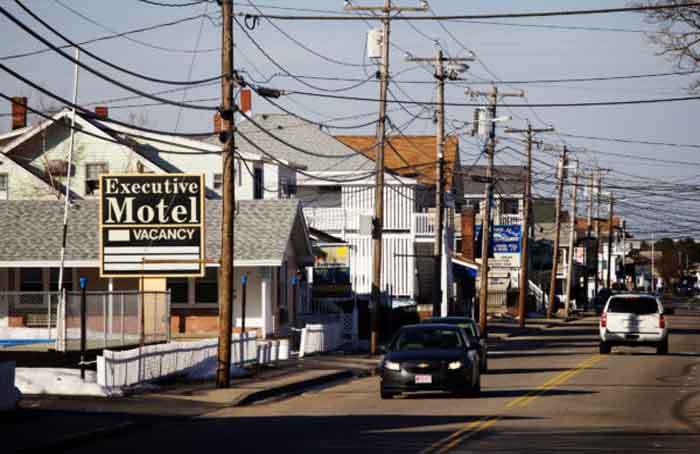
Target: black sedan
x: 473, y: 332
x: 430, y: 357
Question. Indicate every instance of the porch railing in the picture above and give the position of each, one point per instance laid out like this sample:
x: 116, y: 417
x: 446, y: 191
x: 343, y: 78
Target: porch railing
x: 423, y: 224
x: 335, y: 219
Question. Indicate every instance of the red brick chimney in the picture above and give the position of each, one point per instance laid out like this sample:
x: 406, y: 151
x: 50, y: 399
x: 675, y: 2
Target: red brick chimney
x: 246, y: 100
x: 102, y: 112
x: 468, y: 217
x: 19, y: 112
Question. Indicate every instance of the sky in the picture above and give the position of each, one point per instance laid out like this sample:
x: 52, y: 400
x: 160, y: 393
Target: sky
x: 535, y: 49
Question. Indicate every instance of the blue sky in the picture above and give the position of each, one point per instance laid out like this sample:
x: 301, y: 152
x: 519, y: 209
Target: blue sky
x: 510, y: 53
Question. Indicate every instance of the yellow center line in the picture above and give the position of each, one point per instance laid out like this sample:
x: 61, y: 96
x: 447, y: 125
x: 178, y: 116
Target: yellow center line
x: 474, y: 427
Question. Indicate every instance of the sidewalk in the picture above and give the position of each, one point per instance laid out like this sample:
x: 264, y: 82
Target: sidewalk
x: 66, y: 421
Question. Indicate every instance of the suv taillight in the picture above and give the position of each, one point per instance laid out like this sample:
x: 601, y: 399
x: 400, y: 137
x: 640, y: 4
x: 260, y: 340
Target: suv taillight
x: 662, y: 321
x: 603, y: 319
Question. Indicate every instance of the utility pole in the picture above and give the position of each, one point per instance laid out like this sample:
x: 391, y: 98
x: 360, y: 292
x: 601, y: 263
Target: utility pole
x: 572, y: 243
x: 589, y: 231
x: 223, y: 371
x: 653, y: 254
x: 493, y: 96
x: 527, y: 200
x: 457, y: 67
x: 611, y: 230
x: 555, y: 255
x: 597, y: 232
x: 378, y: 220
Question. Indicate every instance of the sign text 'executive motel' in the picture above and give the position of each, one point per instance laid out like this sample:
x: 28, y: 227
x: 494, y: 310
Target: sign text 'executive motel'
x: 151, y: 225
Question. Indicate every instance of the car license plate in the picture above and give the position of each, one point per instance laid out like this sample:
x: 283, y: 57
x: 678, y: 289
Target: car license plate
x: 632, y: 336
x: 424, y: 379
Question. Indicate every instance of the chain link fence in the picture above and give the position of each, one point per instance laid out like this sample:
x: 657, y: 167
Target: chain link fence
x: 35, y: 310
x: 114, y: 319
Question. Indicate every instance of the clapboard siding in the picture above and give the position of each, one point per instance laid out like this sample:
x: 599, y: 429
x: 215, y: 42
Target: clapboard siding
x: 398, y: 204
x: 398, y: 264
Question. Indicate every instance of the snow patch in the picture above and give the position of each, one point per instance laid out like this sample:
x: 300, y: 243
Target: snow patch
x: 57, y: 381
x: 206, y: 370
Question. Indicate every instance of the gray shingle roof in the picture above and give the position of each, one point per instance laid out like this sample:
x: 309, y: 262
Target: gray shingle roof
x: 30, y: 230
x: 511, y: 179
x: 301, y: 134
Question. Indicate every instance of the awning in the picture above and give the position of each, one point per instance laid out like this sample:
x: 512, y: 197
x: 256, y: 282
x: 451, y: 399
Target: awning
x: 462, y: 268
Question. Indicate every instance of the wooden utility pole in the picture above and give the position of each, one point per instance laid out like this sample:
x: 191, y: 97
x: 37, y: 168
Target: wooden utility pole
x: 527, y: 201
x: 589, y: 233
x: 493, y: 96
x: 597, y: 231
x: 611, y: 230
x: 555, y: 253
x: 223, y: 371
x: 439, y: 296
x: 378, y: 221
x: 572, y: 243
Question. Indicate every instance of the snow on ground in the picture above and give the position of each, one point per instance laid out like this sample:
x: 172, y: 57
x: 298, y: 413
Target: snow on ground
x: 56, y: 381
x: 25, y: 333
x: 206, y: 370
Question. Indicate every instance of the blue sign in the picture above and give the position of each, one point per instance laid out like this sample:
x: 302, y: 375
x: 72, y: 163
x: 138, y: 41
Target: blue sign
x: 506, y: 239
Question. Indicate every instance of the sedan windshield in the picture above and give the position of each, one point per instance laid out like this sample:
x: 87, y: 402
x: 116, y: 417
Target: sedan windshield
x: 633, y: 305
x: 427, y: 338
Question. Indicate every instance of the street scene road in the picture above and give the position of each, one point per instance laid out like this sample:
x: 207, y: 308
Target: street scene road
x: 548, y: 390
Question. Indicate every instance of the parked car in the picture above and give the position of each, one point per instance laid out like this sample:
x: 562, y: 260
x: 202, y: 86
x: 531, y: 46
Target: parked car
x: 686, y: 286
x: 601, y: 299
x: 473, y: 331
x: 430, y: 357
x: 634, y: 320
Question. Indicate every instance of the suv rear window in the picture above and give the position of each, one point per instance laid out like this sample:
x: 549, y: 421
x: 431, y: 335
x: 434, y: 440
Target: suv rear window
x: 633, y: 305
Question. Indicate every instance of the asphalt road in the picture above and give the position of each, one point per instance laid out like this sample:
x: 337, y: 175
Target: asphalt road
x: 550, y: 393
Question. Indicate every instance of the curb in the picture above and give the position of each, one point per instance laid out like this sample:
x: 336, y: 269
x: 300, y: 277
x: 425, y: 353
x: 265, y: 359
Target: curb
x: 297, y: 388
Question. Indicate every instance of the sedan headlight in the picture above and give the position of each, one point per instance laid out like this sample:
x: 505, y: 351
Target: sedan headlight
x: 392, y: 365
x: 454, y: 365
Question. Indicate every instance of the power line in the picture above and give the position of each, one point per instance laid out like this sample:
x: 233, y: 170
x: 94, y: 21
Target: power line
x: 91, y: 70
x: 540, y: 105
x: 580, y: 12
x: 304, y: 46
x: 632, y: 141
x: 286, y: 71
x: 125, y: 35
x: 97, y: 57
x: 174, y: 5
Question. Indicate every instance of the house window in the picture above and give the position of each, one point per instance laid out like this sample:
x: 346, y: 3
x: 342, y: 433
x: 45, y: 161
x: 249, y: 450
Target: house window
x: 218, y: 181
x: 511, y: 206
x: 206, y: 290
x: 67, y: 279
x: 92, y: 177
x: 31, y: 280
x: 288, y: 189
x: 179, y: 289
x: 4, y: 187
x: 258, y: 183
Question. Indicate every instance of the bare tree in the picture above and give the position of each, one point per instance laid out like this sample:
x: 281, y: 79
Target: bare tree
x: 677, y: 34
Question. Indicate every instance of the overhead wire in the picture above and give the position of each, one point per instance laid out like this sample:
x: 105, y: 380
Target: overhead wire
x: 97, y: 57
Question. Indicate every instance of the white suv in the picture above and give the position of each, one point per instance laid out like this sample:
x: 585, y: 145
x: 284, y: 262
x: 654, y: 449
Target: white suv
x: 634, y: 320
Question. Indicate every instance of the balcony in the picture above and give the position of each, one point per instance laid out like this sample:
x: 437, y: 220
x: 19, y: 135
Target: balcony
x: 336, y: 219
x: 423, y: 225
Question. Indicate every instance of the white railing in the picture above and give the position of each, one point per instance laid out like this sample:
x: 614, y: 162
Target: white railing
x: 335, y: 219
x: 116, y: 369
x: 423, y: 224
x: 511, y: 219
x: 320, y: 338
